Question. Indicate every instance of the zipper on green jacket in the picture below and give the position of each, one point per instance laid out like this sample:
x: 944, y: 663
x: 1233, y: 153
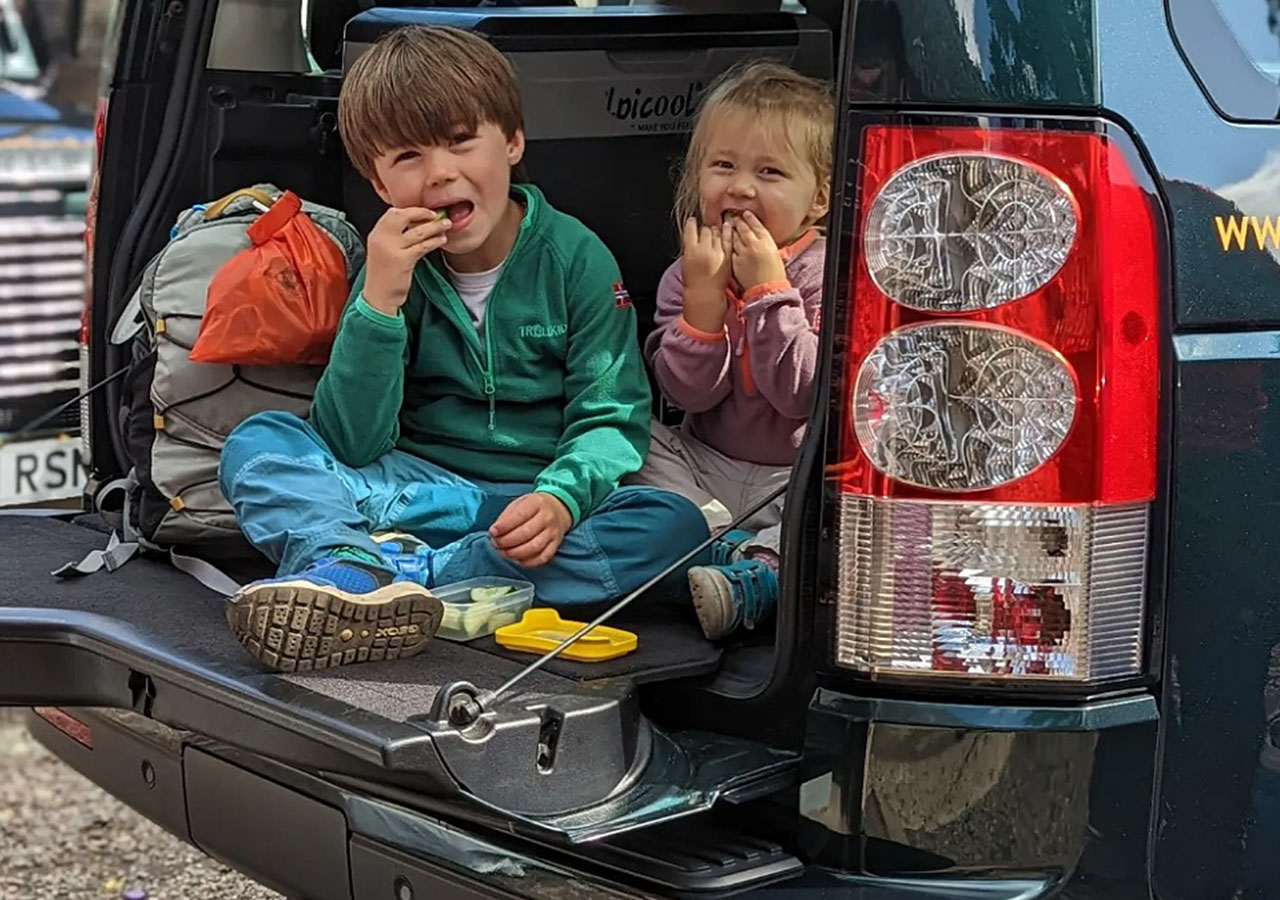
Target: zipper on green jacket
x: 490, y: 388
x: 456, y: 310
x: 483, y: 356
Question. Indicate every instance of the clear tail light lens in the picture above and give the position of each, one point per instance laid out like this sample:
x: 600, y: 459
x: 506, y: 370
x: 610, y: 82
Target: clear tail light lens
x: 962, y: 407
x: 991, y: 589
x: 996, y: 458
x: 962, y: 231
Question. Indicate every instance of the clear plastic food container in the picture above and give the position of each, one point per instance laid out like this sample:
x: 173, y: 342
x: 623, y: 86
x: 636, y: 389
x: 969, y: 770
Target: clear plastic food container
x: 480, y: 606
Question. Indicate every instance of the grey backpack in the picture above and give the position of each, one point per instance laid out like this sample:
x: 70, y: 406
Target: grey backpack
x: 176, y: 413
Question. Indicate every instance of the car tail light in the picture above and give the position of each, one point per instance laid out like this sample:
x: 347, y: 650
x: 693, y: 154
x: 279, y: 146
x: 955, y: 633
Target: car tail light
x: 90, y: 235
x: 997, y: 425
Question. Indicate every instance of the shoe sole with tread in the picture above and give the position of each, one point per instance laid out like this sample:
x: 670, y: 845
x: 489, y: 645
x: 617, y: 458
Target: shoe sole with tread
x: 298, y: 626
x: 712, y: 601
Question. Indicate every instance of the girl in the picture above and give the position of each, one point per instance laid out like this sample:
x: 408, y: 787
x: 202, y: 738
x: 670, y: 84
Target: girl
x: 736, y: 344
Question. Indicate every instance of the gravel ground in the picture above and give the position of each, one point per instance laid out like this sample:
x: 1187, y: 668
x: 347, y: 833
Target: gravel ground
x: 61, y: 838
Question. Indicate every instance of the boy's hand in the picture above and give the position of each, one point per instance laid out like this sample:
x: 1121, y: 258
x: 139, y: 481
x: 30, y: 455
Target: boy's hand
x: 706, y: 270
x: 756, y: 259
x: 530, y: 529
x: 397, y: 242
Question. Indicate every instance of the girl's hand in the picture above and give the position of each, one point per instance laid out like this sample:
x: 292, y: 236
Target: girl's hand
x: 706, y: 269
x: 756, y: 259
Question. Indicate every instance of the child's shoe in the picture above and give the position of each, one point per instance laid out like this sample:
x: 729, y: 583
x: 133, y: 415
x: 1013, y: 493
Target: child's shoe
x: 727, y: 548
x: 406, y: 554
x: 337, y: 611
x: 727, y: 597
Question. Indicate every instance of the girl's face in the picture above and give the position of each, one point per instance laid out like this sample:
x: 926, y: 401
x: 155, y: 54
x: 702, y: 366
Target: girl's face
x: 749, y: 166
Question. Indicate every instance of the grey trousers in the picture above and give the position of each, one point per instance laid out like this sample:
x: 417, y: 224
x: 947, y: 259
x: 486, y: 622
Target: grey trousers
x: 720, y: 486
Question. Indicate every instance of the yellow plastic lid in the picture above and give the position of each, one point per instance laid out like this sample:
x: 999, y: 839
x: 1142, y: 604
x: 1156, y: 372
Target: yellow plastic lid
x: 542, y: 630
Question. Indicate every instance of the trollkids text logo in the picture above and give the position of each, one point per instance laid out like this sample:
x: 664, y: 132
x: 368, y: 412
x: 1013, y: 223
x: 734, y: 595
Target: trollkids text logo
x: 550, y: 330
x: 654, y: 110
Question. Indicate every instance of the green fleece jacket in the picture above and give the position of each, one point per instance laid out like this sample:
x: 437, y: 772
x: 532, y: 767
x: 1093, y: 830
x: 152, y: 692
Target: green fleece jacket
x: 554, y: 394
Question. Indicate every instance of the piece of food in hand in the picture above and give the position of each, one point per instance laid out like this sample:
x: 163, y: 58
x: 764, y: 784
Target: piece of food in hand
x: 437, y: 215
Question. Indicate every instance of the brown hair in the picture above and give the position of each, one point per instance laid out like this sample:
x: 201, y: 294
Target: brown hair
x: 416, y: 85
x: 801, y: 108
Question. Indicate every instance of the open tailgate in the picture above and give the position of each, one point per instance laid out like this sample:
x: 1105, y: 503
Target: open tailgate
x: 573, y: 758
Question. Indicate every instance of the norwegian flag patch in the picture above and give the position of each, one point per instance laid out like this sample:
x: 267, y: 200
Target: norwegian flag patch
x: 621, y: 299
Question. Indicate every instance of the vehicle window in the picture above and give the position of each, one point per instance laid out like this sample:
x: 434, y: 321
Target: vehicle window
x: 1254, y: 24
x: 1233, y: 50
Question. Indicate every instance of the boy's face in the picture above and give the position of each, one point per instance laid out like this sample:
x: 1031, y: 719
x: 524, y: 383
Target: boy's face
x: 748, y: 167
x: 469, y: 178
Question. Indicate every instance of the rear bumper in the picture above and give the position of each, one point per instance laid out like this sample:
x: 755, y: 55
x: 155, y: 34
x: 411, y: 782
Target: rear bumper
x: 305, y: 836
x: 1064, y: 793
x: 293, y: 832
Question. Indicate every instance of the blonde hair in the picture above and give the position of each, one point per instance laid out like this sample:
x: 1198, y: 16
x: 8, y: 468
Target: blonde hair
x: 418, y: 84
x: 801, y: 108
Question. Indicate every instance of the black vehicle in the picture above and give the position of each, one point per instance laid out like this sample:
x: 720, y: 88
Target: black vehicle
x: 46, y: 150
x: 1029, y: 644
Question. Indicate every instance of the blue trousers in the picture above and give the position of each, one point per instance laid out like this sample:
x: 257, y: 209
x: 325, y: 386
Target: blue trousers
x: 296, y: 503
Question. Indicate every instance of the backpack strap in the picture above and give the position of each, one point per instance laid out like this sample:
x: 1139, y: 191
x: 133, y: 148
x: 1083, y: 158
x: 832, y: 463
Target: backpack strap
x: 216, y: 209
x: 130, y: 321
x: 206, y: 573
x: 115, y: 555
x: 118, y: 552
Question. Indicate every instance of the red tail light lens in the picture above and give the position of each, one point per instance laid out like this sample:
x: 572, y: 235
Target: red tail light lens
x: 91, y: 212
x: 67, y: 724
x: 997, y: 450
x: 90, y: 236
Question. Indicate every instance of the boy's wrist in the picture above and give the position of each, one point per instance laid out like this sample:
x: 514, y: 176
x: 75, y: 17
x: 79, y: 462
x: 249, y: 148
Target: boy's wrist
x: 382, y: 304
x: 570, y: 505
x: 386, y: 322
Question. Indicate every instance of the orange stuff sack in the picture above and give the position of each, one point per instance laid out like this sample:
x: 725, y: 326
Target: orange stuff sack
x: 279, y: 301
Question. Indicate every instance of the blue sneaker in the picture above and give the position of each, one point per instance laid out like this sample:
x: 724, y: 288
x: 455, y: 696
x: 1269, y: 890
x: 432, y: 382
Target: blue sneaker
x: 740, y: 595
x: 335, y: 612
x: 727, y: 548
x: 407, y: 555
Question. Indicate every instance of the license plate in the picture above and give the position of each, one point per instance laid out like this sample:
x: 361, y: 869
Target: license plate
x: 38, y: 471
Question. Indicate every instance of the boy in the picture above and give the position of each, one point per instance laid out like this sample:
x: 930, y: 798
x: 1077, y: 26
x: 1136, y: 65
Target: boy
x: 483, y: 400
